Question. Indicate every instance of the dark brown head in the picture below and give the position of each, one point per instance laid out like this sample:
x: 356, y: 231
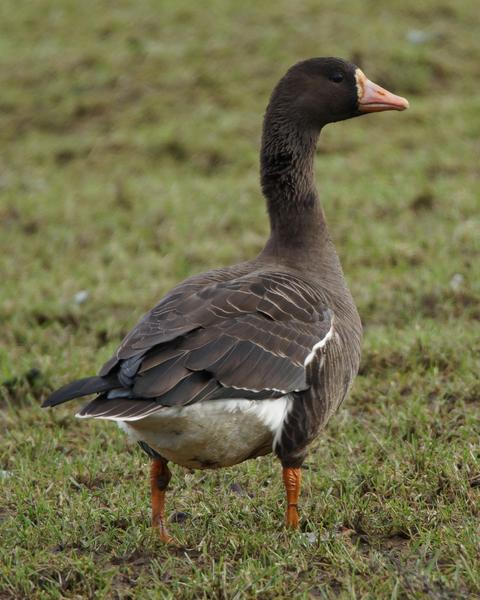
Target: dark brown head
x: 318, y: 91
x: 312, y: 94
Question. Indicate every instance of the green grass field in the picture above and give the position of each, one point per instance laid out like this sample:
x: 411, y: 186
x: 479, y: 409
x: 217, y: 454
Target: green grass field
x: 129, y: 137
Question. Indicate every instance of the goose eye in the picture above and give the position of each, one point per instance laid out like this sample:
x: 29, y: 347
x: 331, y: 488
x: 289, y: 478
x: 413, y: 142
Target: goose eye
x: 336, y: 77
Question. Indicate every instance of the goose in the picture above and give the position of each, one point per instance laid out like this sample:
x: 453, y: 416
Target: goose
x: 242, y: 361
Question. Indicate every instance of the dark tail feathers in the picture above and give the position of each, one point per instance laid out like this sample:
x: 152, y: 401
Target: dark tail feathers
x: 81, y: 387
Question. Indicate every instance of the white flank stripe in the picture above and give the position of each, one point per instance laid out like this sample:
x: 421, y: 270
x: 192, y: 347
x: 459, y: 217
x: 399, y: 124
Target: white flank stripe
x: 318, y: 346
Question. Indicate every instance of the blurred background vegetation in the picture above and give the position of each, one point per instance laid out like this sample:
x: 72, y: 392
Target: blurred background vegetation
x: 129, y: 137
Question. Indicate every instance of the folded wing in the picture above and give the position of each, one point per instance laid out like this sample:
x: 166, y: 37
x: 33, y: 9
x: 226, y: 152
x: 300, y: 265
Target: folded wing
x: 247, y: 337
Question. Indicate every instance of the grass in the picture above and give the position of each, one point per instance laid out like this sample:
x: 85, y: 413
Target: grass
x: 129, y: 136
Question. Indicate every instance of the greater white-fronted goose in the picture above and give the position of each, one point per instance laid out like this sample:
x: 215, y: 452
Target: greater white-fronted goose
x: 239, y: 362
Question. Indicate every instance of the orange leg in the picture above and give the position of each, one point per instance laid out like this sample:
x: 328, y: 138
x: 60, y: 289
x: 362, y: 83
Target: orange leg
x: 292, y: 478
x: 159, y: 479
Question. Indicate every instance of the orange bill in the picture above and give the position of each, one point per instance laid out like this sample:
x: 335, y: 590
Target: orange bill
x: 373, y: 98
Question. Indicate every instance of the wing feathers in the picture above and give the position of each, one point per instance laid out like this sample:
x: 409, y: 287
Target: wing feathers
x: 121, y: 409
x: 79, y: 388
x: 160, y: 379
x: 225, y: 334
x: 206, y: 356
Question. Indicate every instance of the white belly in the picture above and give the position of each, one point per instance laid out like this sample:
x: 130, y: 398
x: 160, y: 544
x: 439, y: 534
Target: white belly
x: 212, y: 434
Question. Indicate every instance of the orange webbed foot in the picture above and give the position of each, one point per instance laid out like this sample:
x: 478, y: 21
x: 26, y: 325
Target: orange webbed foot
x: 292, y: 519
x: 164, y: 534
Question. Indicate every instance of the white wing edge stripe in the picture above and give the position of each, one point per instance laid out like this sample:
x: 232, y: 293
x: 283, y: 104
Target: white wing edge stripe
x: 245, y: 389
x: 319, y: 345
x: 117, y: 418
